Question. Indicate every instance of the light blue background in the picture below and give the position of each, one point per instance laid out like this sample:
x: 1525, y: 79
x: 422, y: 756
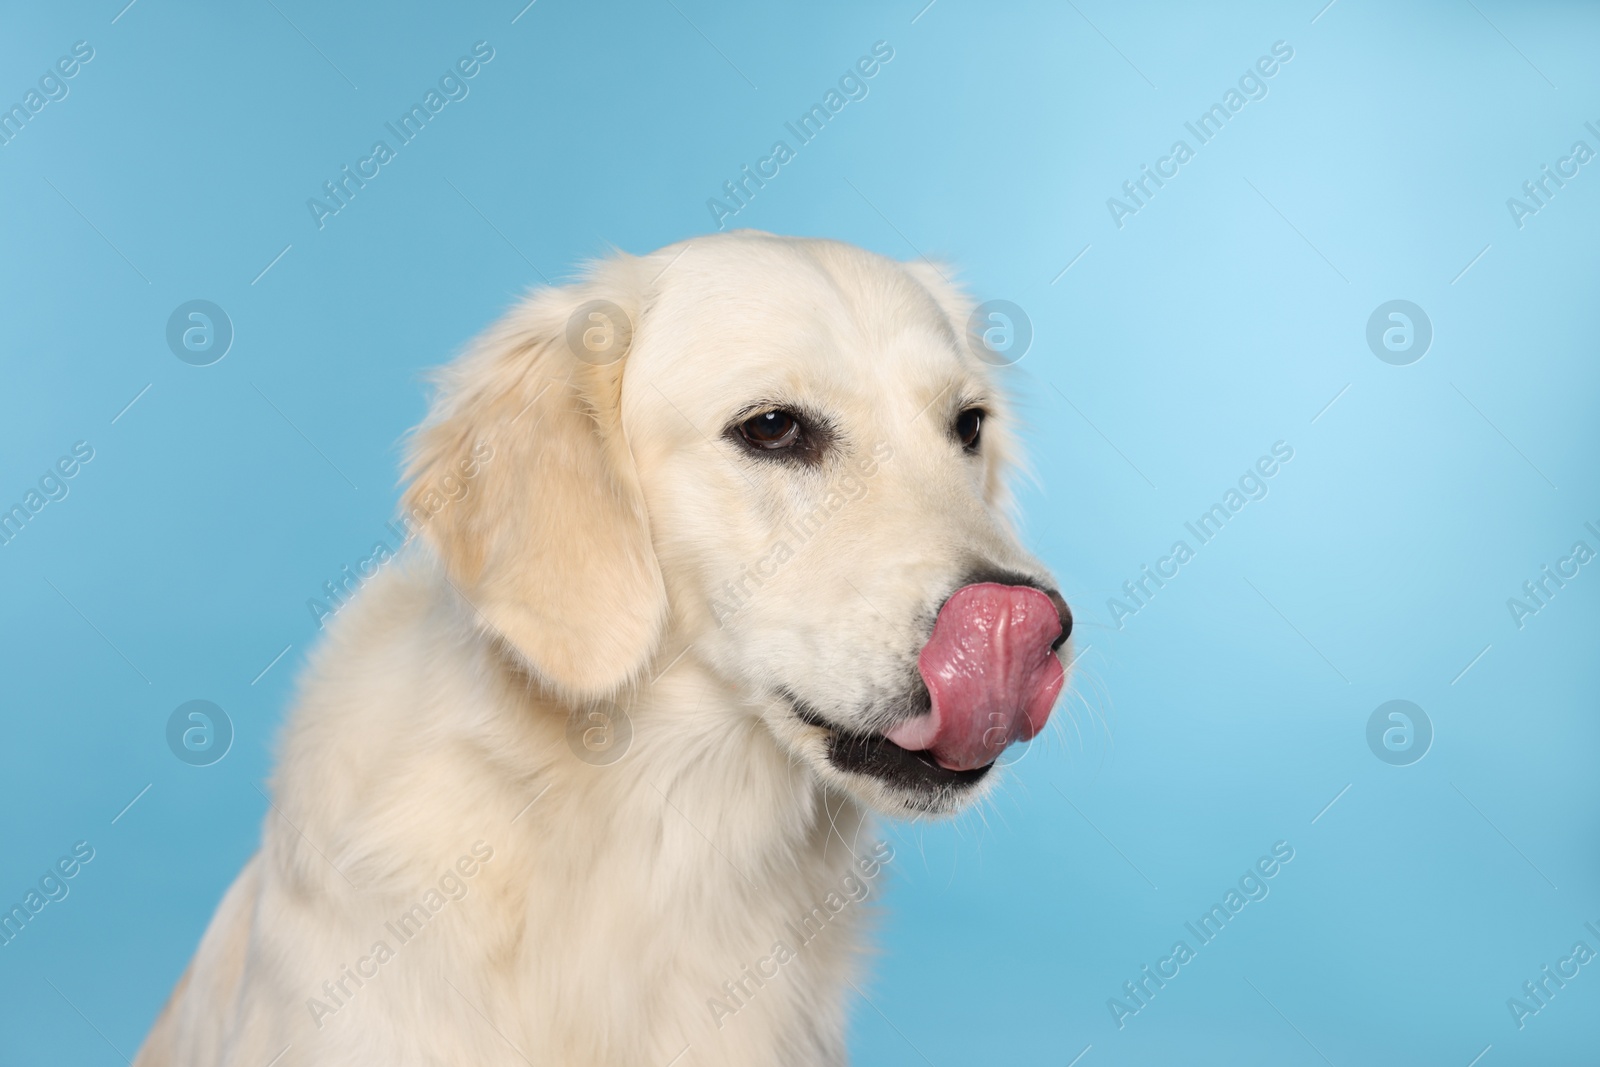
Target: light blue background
x: 1223, y: 317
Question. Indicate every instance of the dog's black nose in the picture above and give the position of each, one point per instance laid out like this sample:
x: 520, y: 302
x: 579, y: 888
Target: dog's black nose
x: 1062, y: 610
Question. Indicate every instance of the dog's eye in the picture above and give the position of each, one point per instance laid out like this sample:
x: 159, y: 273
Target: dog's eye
x: 771, y: 430
x: 969, y: 427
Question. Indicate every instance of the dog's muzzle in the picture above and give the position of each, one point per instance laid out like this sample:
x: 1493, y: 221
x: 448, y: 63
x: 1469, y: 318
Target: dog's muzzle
x: 991, y: 670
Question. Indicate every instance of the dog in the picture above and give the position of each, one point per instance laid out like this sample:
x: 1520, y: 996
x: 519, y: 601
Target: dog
x: 713, y: 562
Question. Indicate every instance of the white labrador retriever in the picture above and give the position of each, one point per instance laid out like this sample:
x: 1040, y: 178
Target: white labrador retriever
x: 714, y: 560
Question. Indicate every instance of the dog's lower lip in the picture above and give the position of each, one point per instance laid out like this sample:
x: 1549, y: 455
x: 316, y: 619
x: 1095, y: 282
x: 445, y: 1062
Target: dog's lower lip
x: 876, y: 756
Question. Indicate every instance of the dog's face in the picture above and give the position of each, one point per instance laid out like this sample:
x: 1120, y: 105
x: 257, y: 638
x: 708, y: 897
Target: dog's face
x: 804, y: 456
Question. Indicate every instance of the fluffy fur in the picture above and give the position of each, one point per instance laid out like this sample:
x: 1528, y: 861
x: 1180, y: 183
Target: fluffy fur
x: 599, y: 553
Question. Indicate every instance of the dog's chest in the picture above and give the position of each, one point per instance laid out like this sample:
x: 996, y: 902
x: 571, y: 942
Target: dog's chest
x: 710, y: 938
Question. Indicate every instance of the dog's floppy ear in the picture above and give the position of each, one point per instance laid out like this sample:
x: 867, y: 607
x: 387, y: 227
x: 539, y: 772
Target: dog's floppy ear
x: 523, y: 483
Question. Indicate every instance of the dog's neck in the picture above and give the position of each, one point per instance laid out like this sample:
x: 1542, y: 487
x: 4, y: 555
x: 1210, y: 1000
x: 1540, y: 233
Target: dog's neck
x: 707, y: 848
x: 703, y: 879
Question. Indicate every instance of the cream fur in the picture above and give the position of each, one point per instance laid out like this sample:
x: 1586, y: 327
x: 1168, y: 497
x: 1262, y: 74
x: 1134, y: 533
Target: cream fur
x: 582, y: 572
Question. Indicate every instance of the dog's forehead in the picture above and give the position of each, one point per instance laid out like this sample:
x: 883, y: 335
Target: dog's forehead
x: 783, y: 319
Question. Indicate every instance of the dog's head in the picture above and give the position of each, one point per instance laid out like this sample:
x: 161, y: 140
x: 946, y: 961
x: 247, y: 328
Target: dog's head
x: 783, y: 457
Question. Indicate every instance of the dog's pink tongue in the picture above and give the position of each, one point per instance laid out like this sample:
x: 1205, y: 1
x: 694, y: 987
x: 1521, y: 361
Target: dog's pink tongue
x: 991, y: 672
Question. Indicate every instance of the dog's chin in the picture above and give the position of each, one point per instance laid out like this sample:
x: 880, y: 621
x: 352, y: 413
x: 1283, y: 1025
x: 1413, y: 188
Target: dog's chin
x: 892, y: 780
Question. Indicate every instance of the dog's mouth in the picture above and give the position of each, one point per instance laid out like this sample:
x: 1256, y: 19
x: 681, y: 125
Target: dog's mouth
x: 875, y: 756
x: 987, y: 678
